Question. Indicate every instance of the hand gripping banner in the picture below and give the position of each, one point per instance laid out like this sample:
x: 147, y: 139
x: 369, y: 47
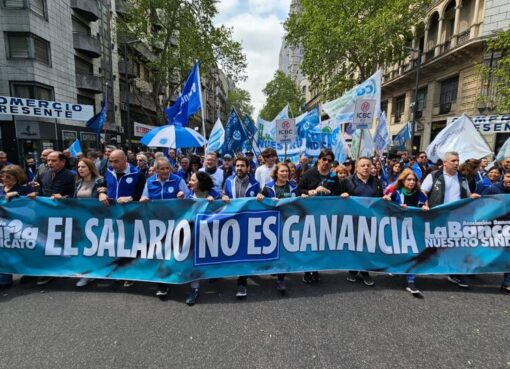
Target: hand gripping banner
x: 177, y: 241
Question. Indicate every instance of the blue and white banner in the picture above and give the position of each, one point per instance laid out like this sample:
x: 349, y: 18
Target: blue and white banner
x: 341, y: 110
x: 403, y: 135
x: 178, y: 241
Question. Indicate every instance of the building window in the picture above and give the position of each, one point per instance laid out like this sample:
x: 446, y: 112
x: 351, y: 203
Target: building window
x: 28, y: 46
x: 37, y: 6
x: 421, y: 98
x: 31, y: 90
x: 399, y: 107
x: 448, y: 94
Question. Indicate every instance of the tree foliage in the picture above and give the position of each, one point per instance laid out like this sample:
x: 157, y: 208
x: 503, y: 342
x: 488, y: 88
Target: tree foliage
x: 177, y: 33
x: 345, y: 41
x: 280, y: 91
x: 240, y: 100
x: 496, y: 74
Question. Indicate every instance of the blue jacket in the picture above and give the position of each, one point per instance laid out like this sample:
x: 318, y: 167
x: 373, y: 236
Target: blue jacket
x: 125, y: 187
x: 167, y: 190
x: 482, y: 185
x: 417, y: 170
x: 271, y: 191
x: 398, y: 197
x: 252, y: 190
x: 496, y: 189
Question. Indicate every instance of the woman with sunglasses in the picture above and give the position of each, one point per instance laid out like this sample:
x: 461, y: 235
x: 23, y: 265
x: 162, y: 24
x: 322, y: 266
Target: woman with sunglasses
x: 407, y: 193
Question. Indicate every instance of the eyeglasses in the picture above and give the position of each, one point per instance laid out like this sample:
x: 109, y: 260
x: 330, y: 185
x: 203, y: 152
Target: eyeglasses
x: 423, y: 157
x: 328, y: 160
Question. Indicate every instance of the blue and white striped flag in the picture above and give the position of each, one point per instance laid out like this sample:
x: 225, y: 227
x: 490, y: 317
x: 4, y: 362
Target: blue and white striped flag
x: 216, y: 138
x: 341, y: 149
x: 75, y: 148
x: 381, y: 136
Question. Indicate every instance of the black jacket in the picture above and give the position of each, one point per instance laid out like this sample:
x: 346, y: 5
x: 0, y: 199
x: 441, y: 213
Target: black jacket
x: 313, y: 179
x: 63, y: 183
x: 349, y: 185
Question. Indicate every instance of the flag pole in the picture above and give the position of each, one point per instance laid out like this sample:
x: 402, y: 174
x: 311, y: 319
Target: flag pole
x: 201, y: 103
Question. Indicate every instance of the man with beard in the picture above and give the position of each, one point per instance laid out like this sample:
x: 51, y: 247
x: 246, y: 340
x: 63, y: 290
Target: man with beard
x: 227, y: 167
x: 239, y: 185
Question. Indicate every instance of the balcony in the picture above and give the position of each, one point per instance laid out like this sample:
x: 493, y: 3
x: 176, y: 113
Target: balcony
x: 89, y: 82
x: 463, y: 37
x: 131, y: 71
x: 87, y: 44
x: 88, y: 9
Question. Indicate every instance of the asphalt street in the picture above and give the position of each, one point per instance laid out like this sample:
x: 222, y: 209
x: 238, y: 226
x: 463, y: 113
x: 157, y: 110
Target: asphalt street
x: 332, y: 324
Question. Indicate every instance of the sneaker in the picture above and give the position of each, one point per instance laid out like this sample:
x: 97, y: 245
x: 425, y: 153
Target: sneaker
x: 281, y: 286
x: 505, y: 288
x: 411, y: 287
x: 41, y: 281
x: 367, y: 280
x: 192, y: 297
x: 162, y: 291
x: 459, y: 281
x: 83, y: 282
x: 316, y: 277
x: 242, y: 291
x: 307, y: 278
x: 128, y: 284
x: 351, y: 277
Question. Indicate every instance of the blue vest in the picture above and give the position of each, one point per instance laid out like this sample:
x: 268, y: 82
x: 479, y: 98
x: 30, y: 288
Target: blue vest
x: 125, y: 186
x: 252, y: 190
x: 167, y: 190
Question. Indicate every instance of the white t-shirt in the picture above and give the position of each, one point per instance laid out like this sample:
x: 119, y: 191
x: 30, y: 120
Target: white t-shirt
x: 263, y: 175
x: 451, y: 184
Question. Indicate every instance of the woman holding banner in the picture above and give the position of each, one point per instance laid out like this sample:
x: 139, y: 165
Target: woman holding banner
x: 14, y: 182
x: 202, y: 187
x: 407, y: 193
x: 88, y: 181
x: 279, y: 188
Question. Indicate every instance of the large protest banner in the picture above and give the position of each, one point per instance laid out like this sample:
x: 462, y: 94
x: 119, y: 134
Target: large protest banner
x: 177, y: 241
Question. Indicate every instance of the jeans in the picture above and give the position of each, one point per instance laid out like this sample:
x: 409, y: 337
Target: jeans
x: 5, y: 278
x: 506, y: 279
x: 411, y: 278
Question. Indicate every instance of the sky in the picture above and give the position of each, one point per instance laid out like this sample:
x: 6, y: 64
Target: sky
x: 258, y: 25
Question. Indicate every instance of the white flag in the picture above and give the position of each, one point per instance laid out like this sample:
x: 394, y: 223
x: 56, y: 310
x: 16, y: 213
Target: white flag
x: 460, y: 136
x: 216, y: 138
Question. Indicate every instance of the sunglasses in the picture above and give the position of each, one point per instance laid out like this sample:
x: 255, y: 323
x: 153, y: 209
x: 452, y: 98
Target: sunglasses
x: 328, y: 160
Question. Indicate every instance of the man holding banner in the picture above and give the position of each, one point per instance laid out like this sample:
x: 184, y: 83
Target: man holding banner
x: 447, y: 186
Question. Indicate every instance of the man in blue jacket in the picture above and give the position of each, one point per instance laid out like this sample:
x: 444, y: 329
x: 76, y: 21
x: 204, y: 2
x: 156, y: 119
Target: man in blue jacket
x: 162, y: 186
x: 124, y: 183
x: 239, y: 185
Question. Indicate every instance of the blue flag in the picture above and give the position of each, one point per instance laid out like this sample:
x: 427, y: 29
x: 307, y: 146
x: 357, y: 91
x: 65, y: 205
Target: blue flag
x: 251, y: 131
x: 234, y: 134
x: 96, y: 122
x: 75, y: 148
x: 216, y: 138
x: 381, y: 136
x: 403, y: 135
x: 188, y: 102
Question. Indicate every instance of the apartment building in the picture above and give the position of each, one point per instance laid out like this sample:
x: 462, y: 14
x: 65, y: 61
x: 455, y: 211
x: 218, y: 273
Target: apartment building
x: 449, y: 48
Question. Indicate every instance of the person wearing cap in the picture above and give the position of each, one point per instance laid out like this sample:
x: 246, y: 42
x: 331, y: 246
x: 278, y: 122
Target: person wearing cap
x: 211, y: 168
x: 253, y: 165
x: 227, y: 166
x: 264, y: 172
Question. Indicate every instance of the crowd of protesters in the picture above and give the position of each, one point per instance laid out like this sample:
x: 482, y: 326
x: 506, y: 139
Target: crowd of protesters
x: 125, y: 176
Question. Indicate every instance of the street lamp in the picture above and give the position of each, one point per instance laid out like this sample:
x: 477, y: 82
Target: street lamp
x: 415, y: 104
x: 126, y: 75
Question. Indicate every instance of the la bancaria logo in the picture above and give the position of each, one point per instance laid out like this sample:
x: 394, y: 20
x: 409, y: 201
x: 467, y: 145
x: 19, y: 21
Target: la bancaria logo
x: 14, y: 235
